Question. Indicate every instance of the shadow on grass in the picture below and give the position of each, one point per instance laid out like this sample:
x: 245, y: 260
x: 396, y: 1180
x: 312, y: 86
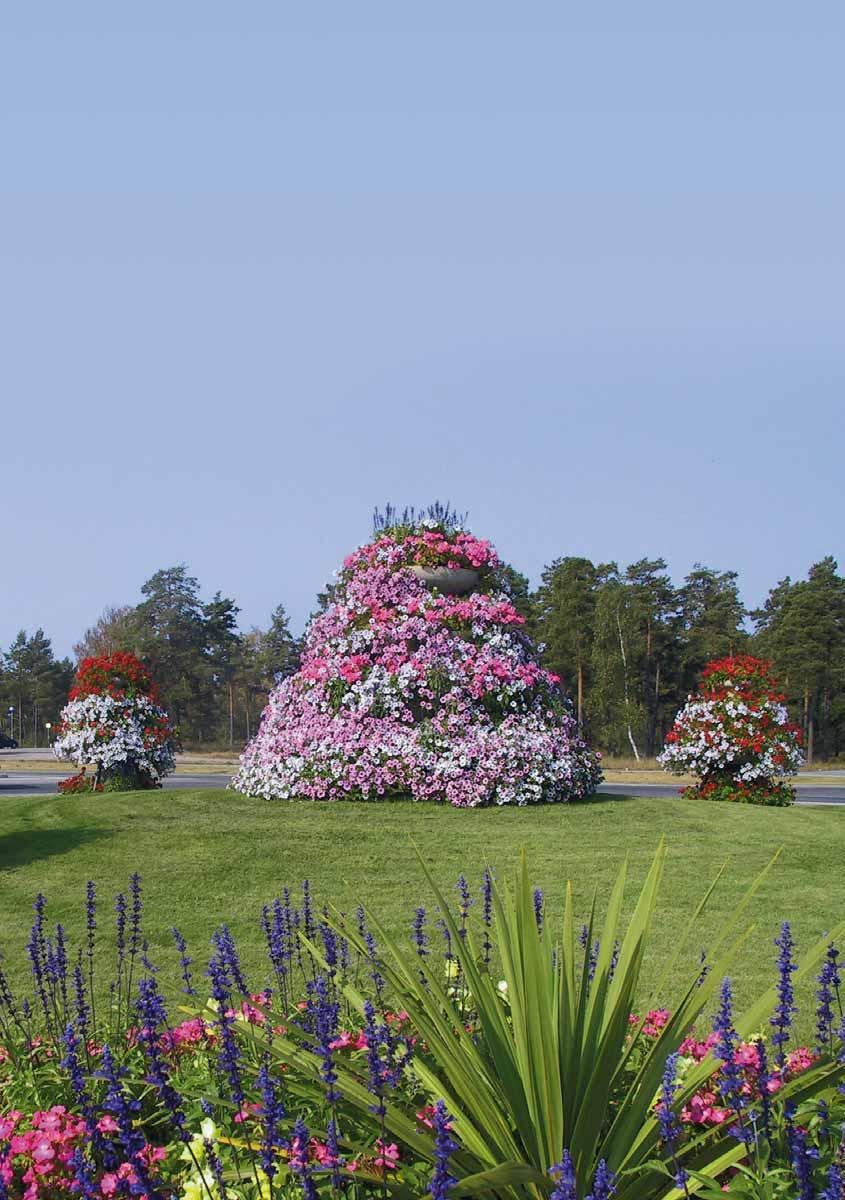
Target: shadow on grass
x: 602, y: 798
x: 434, y: 806
x: 28, y: 845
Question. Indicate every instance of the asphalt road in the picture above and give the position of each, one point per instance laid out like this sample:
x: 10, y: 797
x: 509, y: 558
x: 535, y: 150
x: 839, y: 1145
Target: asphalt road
x: 805, y: 795
x: 43, y: 783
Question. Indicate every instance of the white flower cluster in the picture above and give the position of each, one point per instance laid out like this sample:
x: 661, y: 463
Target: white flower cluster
x: 111, y: 734
x: 730, y: 736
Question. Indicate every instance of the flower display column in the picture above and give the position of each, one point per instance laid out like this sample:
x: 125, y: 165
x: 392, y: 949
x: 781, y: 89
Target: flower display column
x: 736, y: 736
x: 419, y: 680
x: 114, y: 723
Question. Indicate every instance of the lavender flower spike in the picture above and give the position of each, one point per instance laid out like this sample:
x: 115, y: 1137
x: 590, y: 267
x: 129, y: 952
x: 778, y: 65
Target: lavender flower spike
x: 604, y: 1183
x: 566, y: 1187
x: 786, y: 1007
x: 444, y: 1147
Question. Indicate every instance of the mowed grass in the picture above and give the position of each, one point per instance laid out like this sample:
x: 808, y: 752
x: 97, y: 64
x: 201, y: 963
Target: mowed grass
x: 211, y: 856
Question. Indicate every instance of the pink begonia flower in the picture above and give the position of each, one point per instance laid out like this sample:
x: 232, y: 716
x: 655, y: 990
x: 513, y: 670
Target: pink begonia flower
x: 323, y: 1154
x: 348, y: 1040
x: 654, y: 1021
x: 690, y: 1047
x: 246, y: 1112
x: 8, y: 1123
x: 426, y: 1116
x: 388, y: 1154
x: 703, y: 1110
x: 43, y: 1151
x: 800, y: 1060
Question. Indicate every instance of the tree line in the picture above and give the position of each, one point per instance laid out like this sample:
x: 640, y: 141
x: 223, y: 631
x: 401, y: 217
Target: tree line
x: 630, y: 646
x: 627, y: 643
x: 212, y: 678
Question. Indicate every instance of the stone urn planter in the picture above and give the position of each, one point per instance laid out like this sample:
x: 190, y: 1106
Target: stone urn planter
x: 451, y: 581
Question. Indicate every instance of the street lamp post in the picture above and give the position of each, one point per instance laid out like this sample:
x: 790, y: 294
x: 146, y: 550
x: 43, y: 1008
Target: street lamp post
x: 12, y: 721
x: 48, y: 725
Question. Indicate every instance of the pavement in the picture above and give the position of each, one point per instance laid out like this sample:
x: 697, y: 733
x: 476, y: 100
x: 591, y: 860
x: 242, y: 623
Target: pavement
x: 43, y: 783
x: 807, y: 795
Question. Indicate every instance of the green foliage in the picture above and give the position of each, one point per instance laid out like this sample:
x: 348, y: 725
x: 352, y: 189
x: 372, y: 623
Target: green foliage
x: 282, y: 650
x: 564, y: 621
x: 801, y: 628
x: 617, y: 714
x: 711, y: 617
x: 517, y: 587
x: 35, y: 684
x: 545, y: 1059
x: 214, y: 856
x: 629, y: 646
x: 213, y: 679
x: 771, y: 793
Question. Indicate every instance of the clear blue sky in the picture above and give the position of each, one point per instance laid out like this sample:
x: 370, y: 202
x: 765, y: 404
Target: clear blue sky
x: 583, y: 277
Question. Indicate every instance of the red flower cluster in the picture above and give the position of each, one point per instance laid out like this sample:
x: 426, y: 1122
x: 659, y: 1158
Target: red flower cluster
x: 118, y: 675
x: 77, y: 784
x: 775, y: 793
x: 742, y: 675
x: 113, y: 721
x: 735, y: 734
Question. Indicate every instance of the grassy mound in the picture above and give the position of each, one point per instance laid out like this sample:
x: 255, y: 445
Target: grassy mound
x: 210, y: 856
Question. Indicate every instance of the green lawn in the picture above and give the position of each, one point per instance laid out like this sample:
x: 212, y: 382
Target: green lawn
x: 209, y: 856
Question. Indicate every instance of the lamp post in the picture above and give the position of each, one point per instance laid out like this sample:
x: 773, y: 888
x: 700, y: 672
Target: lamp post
x: 12, y: 721
x: 48, y: 725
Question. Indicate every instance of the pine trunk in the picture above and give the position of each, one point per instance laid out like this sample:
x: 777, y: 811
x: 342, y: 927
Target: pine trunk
x: 625, y: 683
x: 655, y: 709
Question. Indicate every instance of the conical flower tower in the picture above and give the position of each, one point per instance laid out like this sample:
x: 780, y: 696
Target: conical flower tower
x: 418, y: 680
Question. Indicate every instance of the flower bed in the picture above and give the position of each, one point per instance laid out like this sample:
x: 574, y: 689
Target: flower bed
x: 489, y: 1057
x: 403, y: 690
x: 735, y: 734
x: 114, y: 723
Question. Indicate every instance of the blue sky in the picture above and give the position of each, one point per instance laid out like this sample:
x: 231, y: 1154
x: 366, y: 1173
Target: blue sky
x: 258, y: 274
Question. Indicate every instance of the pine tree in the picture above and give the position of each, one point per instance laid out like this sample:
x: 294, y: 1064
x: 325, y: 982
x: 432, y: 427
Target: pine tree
x: 802, y: 629
x: 222, y: 648
x: 35, y: 684
x: 518, y: 589
x: 564, y: 617
x: 618, y: 717
x: 280, y: 648
x: 115, y: 630
x: 710, y: 620
x: 173, y: 640
x: 654, y: 602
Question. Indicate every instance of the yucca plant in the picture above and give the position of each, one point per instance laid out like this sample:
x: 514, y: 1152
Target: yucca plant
x: 553, y: 1066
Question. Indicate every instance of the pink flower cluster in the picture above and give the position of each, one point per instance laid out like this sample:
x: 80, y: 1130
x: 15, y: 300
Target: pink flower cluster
x: 653, y: 1021
x: 704, y: 1108
x: 38, y: 1153
x: 39, y: 1156
x: 192, y: 1034
x: 403, y: 691
x: 425, y: 548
